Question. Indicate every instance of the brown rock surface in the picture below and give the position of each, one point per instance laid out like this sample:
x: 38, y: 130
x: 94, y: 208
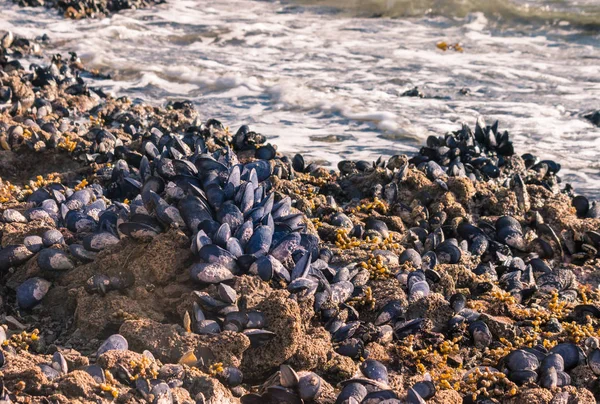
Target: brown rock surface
x: 168, y: 343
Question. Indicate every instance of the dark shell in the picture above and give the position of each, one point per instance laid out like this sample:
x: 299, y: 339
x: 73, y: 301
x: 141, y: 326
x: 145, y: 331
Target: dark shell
x: 390, y: 312
x: 458, y: 302
x: 162, y: 394
x: 303, y: 288
x: 96, y: 372
x: 33, y: 243
x: 425, y: 389
x: 482, y: 337
x: 13, y: 255
x: 214, y: 254
x: 31, y: 292
x: 59, y: 363
x: 260, y: 242
x: 49, y: 371
x: 374, y: 370
x: 552, y: 361
x: 99, y: 241
x: 351, y: 393
x: 412, y: 256
x: 298, y: 163
x: 572, y: 354
x: 138, y: 231
x: 256, y: 320
x: 210, y: 273
x: 353, y: 348
x: 341, y: 220
x: 232, y: 376
x: 377, y: 225
x: 259, y: 337
x: 286, y: 246
x: 411, y: 327
x: 309, y: 387
x: 418, y: 290
x: 52, y: 237
x: 521, y: 360
x: 227, y: 293
x: 523, y: 376
x: 413, y: 397
x: 448, y: 253
x: 51, y: 259
x: 594, y: 361
x: 114, y: 342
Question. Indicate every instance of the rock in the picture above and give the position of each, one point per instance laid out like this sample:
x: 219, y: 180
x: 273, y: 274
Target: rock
x: 23, y: 367
x: 582, y: 376
x: 252, y: 288
x: 212, y: 390
x: 77, y: 383
x: 531, y: 396
x: 579, y: 395
x: 74, y: 359
x: 339, y: 368
x: 500, y: 327
x: 434, y: 307
x: 283, y: 318
x: 110, y: 359
x: 21, y: 91
x: 446, y: 397
x: 181, y: 395
x: 316, y: 348
x: 168, y: 343
x: 95, y: 316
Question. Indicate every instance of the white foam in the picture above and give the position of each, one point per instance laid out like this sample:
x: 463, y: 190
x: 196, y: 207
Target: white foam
x: 303, y: 77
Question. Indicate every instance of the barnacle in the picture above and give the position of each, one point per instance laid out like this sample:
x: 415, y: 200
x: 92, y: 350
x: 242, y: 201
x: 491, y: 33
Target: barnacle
x: 67, y: 144
x: 144, y: 367
x: 375, y: 264
x: 367, y: 300
x: 375, y: 205
x: 215, y: 369
x: 97, y: 121
x: 22, y: 340
x: 109, y: 389
x: 345, y: 242
x: 7, y: 191
x: 81, y: 185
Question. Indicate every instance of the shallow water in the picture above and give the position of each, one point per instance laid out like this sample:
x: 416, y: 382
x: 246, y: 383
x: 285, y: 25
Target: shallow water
x: 328, y: 82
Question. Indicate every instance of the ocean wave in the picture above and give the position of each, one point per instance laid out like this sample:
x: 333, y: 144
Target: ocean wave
x: 581, y: 14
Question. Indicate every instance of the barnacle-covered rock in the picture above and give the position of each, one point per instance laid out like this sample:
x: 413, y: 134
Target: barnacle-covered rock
x: 170, y: 342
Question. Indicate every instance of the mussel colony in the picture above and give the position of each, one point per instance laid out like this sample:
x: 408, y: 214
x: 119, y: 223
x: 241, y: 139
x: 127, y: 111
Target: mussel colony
x: 148, y: 256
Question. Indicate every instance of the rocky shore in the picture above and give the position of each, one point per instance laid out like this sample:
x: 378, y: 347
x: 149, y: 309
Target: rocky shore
x: 151, y: 254
x: 77, y: 9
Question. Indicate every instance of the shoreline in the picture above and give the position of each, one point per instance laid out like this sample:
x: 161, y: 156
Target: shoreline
x: 76, y: 10
x: 391, y: 201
